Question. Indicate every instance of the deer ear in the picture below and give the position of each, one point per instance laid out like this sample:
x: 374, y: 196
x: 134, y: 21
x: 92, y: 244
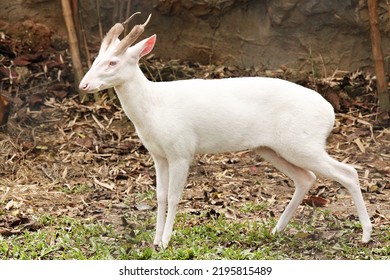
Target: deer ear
x: 147, y: 45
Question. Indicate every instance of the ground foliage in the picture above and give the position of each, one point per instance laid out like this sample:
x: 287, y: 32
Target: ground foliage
x: 60, y: 158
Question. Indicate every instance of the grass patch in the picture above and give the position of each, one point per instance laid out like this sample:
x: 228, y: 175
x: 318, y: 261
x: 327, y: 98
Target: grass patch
x: 195, y: 237
x: 76, y: 189
x: 60, y: 238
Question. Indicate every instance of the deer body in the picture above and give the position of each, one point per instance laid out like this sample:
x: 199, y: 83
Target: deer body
x: 214, y: 116
x: 284, y: 122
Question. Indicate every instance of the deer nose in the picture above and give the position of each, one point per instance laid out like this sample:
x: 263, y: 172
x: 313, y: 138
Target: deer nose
x: 84, y: 86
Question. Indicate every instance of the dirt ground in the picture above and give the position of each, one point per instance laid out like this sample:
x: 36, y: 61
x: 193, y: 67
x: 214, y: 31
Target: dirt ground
x: 61, y: 157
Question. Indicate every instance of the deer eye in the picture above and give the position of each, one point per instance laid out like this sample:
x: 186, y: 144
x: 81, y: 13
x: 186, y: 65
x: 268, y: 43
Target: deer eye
x: 112, y: 63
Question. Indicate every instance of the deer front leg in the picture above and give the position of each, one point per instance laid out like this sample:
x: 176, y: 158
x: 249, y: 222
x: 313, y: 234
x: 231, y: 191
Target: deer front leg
x: 178, y: 171
x: 162, y: 183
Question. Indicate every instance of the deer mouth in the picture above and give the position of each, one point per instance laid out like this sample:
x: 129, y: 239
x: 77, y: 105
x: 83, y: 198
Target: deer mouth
x: 86, y: 87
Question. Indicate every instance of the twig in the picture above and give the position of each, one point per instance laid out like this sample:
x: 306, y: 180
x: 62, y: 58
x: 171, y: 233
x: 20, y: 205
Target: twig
x: 86, y: 49
x: 96, y: 95
x: 83, y: 35
x: 5, y: 194
x: 46, y: 173
x: 128, y: 10
x: 388, y: 10
x: 98, y: 123
x: 99, y: 20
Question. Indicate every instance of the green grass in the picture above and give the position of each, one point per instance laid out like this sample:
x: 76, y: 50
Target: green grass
x: 76, y: 189
x: 196, y: 237
x: 60, y: 238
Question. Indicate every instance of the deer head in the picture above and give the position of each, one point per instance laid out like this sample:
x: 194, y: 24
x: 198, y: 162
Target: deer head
x: 117, y: 58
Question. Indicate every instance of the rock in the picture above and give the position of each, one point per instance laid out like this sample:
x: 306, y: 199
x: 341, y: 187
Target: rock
x: 299, y: 34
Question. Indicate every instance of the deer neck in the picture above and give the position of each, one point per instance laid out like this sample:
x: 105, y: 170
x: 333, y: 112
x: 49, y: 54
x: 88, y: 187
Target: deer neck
x: 136, y: 98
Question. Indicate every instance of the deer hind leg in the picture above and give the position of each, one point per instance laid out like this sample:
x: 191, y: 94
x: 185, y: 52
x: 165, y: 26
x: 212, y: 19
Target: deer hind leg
x: 347, y: 176
x: 320, y: 163
x: 303, y: 180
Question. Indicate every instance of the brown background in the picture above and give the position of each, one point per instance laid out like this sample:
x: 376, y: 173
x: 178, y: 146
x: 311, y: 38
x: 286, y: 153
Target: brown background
x: 300, y: 34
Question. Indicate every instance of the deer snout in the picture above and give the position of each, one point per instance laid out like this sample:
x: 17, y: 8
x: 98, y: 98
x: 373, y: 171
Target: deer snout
x: 84, y: 86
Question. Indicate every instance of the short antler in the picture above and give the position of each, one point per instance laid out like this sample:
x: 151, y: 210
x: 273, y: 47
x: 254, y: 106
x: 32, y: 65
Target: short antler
x: 128, y: 20
x: 114, y: 33
x: 131, y: 37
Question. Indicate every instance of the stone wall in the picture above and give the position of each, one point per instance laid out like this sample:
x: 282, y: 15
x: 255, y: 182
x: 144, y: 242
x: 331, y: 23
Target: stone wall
x: 300, y: 34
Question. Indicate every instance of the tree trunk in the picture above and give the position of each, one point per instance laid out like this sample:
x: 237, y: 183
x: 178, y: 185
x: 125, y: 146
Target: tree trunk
x: 383, y: 95
x: 73, y: 46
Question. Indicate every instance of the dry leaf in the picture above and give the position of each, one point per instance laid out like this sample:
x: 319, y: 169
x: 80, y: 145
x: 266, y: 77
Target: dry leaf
x: 86, y: 142
x: 9, y: 205
x: 143, y: 207
x: 4, y: 110
x: 315, y: 201
x: 230, y: 214
x: 104, y: 185
x: 35, y: 101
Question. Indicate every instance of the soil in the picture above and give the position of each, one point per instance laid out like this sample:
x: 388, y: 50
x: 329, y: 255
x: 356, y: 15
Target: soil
x: 61, y: 157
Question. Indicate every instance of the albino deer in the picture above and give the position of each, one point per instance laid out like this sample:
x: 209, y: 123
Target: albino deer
x: 285, y: 123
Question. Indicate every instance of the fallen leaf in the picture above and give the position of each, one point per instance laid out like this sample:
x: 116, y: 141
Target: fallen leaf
x: 42, y: 147
x: 104, y: 185
x: 301, y: 235
x: 22, y: 60
x: 143, y: 207
x: 9, y: 205
x: 9, y: 73
x: 86, y: 142
x: 374, y: 188
x: 35, y: 101
x: 230, y: 214
x: 4, y: 110
x: 315, y: 201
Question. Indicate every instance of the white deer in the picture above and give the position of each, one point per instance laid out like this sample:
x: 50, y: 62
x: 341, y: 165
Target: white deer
x: 285, y: 123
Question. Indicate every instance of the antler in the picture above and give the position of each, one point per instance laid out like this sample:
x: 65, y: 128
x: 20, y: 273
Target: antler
x: 128, y: 20
x: 114, y: 33
x: 131, y: 37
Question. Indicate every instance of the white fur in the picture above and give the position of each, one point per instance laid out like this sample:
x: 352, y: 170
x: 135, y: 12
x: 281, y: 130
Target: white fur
x: 286, y: 123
